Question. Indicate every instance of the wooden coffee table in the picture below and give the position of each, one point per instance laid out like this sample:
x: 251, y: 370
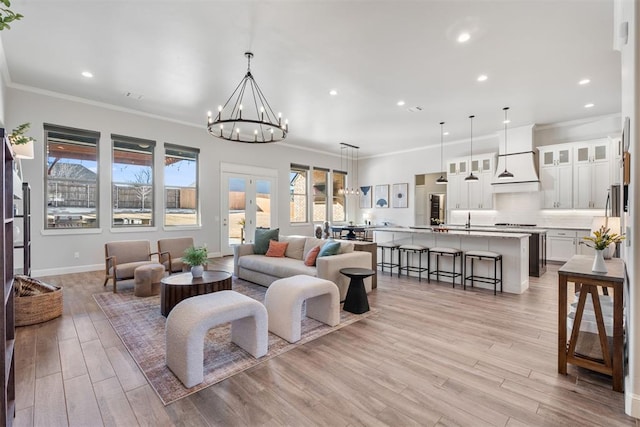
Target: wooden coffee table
x: 178, y: 287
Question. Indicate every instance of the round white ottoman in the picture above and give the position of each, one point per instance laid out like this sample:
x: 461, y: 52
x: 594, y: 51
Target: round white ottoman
x: 147, y: 280
x: 284, y: 300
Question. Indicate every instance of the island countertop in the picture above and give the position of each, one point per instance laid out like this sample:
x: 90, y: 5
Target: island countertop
x: 472, y: 232
x: 514, y: 248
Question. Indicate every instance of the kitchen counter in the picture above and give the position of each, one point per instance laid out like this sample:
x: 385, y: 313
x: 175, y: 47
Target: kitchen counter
x: 537, y: 242
x: 514, y: 248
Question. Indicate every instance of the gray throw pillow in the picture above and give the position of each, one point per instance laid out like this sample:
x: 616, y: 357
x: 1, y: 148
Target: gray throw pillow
x: 262, y: 237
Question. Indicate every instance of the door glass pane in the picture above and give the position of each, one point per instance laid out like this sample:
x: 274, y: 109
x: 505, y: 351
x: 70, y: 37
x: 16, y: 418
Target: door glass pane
x: 475, y: 165
x: 452, y: 168
x: 583, y: 154
x: 237, y: 209
x: 601, y: 152
x: 263, y: 203
x: 462, y: 168
x: 564, y: 156
x: 548, y: 158
x: 486, y: 165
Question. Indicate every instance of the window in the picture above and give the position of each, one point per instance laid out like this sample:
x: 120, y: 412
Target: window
x: 132, y: 182
x: 180, y: 185
x: 71, y: 178
x: 298, y: 178
x: 320, y: 189
x: 339, y: 207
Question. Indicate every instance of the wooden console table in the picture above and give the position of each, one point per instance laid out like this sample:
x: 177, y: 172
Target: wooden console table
x: 578, y: 271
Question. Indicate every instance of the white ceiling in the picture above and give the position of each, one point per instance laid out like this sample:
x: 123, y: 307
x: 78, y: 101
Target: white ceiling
x: 186, y: 57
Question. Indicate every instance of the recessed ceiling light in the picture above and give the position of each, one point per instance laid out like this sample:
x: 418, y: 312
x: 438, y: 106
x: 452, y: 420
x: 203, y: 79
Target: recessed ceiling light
x: 584, y: 82
x: 446, y: 133
x: 482, y: 78
x: 400, y: 103
x: 333, y: 92
x: 463, y: 37
x: 506, y: 121
x: 589, y: 105
x: 87, y: 74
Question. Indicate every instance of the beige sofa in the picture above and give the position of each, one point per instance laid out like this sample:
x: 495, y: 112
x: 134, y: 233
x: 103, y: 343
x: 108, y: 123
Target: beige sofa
x: 265, y: 270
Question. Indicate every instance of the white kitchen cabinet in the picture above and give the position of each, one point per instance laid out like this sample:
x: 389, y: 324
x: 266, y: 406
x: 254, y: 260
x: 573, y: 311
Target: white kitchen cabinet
x: 457, y: 194
x: 583, y: 249
x: 561, y: 245
x: 556, y: 176
x: 591, y: 174
x: 463, y: 194
x: 481, y: 192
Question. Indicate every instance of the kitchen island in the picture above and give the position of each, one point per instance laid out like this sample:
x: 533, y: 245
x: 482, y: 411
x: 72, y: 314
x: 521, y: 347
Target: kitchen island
x: 514, y: 248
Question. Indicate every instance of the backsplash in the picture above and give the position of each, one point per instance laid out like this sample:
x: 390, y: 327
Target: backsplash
x: 524, y: 208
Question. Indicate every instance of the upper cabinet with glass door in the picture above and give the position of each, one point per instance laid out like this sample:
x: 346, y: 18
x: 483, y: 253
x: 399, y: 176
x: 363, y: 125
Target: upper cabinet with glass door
x: 591, y: 174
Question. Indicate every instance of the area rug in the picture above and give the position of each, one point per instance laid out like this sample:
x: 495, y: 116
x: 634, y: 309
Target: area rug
x: 140, y: 325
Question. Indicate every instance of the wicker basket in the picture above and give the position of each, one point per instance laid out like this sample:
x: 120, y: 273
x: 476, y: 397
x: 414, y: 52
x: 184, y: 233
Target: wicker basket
x: 32, y: 309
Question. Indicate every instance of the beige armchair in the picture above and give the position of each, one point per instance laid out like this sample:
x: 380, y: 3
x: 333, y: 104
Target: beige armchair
x: 170, y: 252
x: 123, y: 257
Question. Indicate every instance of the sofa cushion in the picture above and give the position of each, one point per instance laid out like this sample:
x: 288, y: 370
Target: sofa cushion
x: 346, y: 247
x: 276, y: 249
x: 295, y: 249
x: 310, y: 259
x: 310, y: 243
x: 329, y: 248
x: 262, y: 238
x: 278, y: 267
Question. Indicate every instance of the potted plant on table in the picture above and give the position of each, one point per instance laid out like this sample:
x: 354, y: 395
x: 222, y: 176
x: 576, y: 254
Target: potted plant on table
x: 197, y: 258
x: 600, y: 241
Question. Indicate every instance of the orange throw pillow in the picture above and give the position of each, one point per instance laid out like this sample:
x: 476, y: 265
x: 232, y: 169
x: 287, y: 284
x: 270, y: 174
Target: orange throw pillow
x: 310, y: 259
x: 276, y: 249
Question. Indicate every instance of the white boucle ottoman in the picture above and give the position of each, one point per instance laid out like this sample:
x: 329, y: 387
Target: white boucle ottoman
x: 189, y: 321
x: 284, y: 300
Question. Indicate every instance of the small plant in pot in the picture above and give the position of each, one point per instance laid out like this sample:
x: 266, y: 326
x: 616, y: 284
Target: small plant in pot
x: 197, y: 258
x: 21, y: 144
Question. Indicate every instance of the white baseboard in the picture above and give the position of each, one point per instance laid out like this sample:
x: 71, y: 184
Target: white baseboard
x: 631, y: 400
x: 66, y: 270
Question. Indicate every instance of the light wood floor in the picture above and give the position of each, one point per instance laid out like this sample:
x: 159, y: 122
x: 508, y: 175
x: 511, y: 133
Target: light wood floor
x: 431, y: 355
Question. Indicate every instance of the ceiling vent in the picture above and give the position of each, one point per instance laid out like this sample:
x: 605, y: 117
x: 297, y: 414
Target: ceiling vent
x: 415, y: 109
x: 132, y: 95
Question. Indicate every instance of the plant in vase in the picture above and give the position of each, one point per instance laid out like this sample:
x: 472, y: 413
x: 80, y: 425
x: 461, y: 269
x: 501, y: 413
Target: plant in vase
x: 600, y: 241
x: 21, y: 144
x: 197, y: 258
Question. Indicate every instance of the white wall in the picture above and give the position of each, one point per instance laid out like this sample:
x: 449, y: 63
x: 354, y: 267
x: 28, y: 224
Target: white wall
x: 52, y: 251
x: 630, y: 60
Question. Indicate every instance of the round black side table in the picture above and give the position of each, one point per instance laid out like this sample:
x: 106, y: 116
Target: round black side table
x: 356, y: 300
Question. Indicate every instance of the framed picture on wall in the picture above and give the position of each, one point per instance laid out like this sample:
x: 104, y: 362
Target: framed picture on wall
x: 399, y: 195
x: 365, y: 197
x: 382, y: 196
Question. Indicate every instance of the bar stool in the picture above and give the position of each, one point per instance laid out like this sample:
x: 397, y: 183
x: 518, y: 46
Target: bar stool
x: 487, y: 256
x: 451, y: 252
x: 392, y: 247
x: 412, y: 250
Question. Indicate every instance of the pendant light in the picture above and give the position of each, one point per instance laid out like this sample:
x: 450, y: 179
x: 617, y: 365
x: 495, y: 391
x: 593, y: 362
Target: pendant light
x: 471, y: 177
x: 506, y: 174
x: 442, y: 179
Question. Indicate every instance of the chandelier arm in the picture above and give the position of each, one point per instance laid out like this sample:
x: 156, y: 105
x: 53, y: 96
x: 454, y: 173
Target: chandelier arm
x: 267, y: 105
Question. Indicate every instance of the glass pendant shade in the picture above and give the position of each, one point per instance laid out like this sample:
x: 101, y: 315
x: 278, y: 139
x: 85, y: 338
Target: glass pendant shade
x: 506, y: 174
x: 442, y: 179
x: 471, y: 177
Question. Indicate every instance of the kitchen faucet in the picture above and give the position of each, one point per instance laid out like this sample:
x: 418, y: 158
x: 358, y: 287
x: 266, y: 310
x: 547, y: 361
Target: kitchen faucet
x: 468, y: 224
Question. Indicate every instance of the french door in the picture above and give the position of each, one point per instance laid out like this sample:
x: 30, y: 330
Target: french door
x: 248, y: 202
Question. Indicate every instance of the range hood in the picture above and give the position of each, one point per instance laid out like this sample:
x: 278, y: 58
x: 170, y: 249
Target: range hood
x: 520, y: 161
